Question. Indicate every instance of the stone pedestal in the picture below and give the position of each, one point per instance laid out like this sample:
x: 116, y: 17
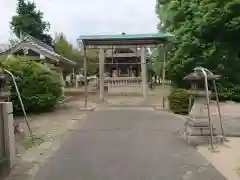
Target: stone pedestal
x: 199, y: 108
x: 197, y: 123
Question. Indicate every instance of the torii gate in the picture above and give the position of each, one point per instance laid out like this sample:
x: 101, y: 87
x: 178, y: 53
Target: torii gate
x: 103, y: 42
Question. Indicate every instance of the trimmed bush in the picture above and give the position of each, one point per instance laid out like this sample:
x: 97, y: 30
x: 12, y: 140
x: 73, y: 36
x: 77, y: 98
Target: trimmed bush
x: 178, y: 101
x: 232, y: 93
x: 40, y: 87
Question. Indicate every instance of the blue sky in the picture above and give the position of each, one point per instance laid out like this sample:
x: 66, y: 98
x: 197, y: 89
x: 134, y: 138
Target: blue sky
x: 81, y: 17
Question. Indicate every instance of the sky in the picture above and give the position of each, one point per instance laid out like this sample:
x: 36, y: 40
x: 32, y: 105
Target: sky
x: 87, y: 17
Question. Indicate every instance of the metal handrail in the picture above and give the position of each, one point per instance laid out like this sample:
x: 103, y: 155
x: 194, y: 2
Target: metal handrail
x: 21, y: 102
x: 204, y: 72
x: 208, y: 104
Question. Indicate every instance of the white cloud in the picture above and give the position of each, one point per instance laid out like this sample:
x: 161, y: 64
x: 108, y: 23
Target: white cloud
x: 78, y: 17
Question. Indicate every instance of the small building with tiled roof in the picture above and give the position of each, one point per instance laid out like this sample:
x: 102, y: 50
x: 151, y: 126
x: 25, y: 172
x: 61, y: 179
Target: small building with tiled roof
x: 36, y: 50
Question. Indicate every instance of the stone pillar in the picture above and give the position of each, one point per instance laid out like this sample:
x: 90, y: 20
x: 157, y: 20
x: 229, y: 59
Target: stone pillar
x: 131, y: 71
x: 77, y: 80
x: 7, y: 114
x: 117, y: 69
x: 139, y: 70
x: 85, y: 78
x: 101, y: 73
x: 144, y: 74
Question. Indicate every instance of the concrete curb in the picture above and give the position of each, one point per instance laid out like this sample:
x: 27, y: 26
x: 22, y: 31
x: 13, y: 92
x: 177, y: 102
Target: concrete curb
x: 87, y: 109
x: 131, y: 105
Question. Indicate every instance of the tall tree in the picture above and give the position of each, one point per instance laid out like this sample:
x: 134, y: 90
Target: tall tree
x: 63, y: 47
x: 157, y: 61
x: 29, y: 20
x: 66, y: 49
x: 206, y: 33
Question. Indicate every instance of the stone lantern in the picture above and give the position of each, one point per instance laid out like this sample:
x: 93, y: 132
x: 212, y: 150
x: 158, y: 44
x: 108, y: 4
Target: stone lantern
x: 4, y: 86
x: 199, y: 121
x: 199, y: 109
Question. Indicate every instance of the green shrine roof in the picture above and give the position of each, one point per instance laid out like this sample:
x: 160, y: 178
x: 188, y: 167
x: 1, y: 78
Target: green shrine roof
x: 126, y: 39
x: 125, y: 36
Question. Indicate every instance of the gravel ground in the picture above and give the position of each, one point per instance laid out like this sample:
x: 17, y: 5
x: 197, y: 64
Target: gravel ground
x: 51, y: 128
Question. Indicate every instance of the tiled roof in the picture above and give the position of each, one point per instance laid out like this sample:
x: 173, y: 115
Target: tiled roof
x: 31, y: 42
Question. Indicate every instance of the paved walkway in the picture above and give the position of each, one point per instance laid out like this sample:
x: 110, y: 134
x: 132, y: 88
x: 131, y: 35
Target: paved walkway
x: 127, y: 144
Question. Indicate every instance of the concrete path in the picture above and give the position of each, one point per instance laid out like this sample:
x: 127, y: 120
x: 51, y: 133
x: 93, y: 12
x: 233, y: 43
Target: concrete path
x: 127, y: 144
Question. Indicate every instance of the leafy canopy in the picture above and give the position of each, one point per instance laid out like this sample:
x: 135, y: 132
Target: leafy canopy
x: 157, y: 60
x: 206, y: 33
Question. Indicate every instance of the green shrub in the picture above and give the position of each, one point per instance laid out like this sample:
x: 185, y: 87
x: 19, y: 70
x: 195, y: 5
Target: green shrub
x: 178, y: 101
x: 224, y: 94
x: 236, y: 93
x: 39, y: 86
x: 231, y: 93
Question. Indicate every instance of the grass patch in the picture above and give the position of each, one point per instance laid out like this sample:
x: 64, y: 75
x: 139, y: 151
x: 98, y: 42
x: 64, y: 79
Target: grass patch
x: 30, y: 142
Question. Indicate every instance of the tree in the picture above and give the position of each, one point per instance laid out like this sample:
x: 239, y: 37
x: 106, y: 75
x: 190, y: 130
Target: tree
x: 63, y: 47
x: 157, y: 61
x: 30, y: 21
x: 206, y: 33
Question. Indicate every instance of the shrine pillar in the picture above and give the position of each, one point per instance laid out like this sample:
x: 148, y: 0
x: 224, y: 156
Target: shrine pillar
x: 101, y: 73
x: 144, y: 74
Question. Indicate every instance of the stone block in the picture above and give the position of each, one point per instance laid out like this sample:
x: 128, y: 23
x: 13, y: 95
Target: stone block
x: 7, y: 114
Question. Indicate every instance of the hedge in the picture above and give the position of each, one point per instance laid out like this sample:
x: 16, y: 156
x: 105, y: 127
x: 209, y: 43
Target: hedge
x: 179, y: 101
x: 232, y: 93
x: 40, y: 87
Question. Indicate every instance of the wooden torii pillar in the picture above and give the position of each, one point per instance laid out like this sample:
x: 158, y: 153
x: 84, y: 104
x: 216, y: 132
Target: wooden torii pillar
x: 144, y: 74
x: 101, y: 72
